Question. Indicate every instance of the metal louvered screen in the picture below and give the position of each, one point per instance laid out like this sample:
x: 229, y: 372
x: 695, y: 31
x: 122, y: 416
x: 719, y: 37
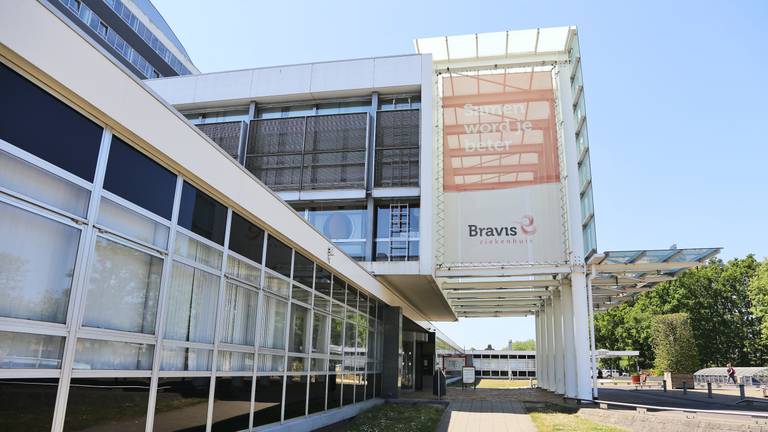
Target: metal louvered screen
x: 334, y: 153
x: 226, y: 135
x: 317, y: 152
x: 397, y: 149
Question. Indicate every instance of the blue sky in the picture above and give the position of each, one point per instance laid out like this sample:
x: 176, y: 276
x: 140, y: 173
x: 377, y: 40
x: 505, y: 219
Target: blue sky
x: 677, y: 101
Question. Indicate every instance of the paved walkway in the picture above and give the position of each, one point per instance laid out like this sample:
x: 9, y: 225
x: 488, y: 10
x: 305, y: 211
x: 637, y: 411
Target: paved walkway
x: 485, y: 415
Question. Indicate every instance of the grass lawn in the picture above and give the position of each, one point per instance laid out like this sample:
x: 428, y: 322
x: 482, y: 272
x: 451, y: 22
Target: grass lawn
x: 556, y: 418
x: 395, y: 418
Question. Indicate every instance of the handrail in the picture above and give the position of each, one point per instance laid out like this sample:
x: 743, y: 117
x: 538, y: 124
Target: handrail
x: 761, y: 414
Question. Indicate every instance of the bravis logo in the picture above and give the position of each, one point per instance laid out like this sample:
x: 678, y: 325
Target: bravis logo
x: 525, y: 226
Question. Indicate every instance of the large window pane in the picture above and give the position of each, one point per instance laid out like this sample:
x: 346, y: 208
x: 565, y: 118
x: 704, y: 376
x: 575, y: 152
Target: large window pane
x: 246, y: 238
x: 339, y: 289
x: 36, y: 183
x: 239, y: 315
x: 132, y: 224
x: 123, y: 288
x: 202, y: 214
x: 109, y: 355
x: 191, y: 304
x: 197, y: 251
x: 316, y: 402
x: 27, y: 404
x: 186, y: 359
x: 272, y: 322
x: 232, y: 361
x: 30, y: 351
x: 303, y: 270
x: 297, y: 364
x: 107, y: 404
x: 137, y: 178
x: 182, y: 404
x: 231, y: 404
x: 279, y: 256
x: 337, y: 336
x: 64, y: 137
x: 295, y: 396
x: 320, y: 333
x: 268, y: 401
x: 270, y: 363
x: 323, y: 281
x: 37, y: 261
x: 334, y: 390
x: 299, y: 329
x: 276, y: 284
x: 346, y: 226
x: 243, y: 271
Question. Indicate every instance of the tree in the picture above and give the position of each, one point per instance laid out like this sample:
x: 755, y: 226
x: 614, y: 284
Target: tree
x: 758, y: 295
x: 489, y: 348
x: 524, y: 345
x: 674, y: 344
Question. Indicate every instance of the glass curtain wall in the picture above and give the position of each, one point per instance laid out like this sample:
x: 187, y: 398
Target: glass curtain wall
x: 129, y: 289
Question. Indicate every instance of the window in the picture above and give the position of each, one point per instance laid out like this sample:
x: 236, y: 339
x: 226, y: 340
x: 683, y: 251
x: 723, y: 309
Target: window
x: 182, y: 404
x: 272, y: 322
x: 66, y: 138
x: 295, y: 396
x: 28, y: 292
x: 102, y: 29
x: 30, y: 351
x: 268, y: 403
x: 279, y: 256
x: 231, y: 404
x: 320, y: 333
x: 132, y: 224
x: 351, y: 296
x: 28, y: 180
x: 127, y: 396
x: 110, y: 355
x: 243, y: 271
x: 239, y: 317
x: 303, y: 270
x: 191, y: 310
x: 334, y: 390
x: 185, y: 359
x: 337, y: 336
x: 316, y: 402
x: 235, y: 361
x: 297, y: 341
x: 346, y: 226
x: 270, y: 363
x: 323, y: 281
x: 397, y: 149
x: 339, y: 289
x: 397, y: 231
x: 202, y: 214
x: 246, y: 238
x: 123, y: 288
x: 137, y: 178
x: 197, y: 251
x: 27, y: 404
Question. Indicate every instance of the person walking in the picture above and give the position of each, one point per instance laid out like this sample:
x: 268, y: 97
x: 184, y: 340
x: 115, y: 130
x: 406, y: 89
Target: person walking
x: 731, y: 373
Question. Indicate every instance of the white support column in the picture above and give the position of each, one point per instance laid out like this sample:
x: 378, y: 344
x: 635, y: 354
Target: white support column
x: 537, y: 321
x: 557, y: 316
x: 575, y: 233
x: 543, y: 362
x: 551, y: 345
x: 569, y: 368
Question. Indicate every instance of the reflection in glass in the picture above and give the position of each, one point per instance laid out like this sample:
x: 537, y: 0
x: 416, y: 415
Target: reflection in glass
x: 27, y: 404
x: 28, y: 292
x: 191, y: 304
x: 334, y: 390
x: 30, y: 351
x: 300, y: 294
x: 337, y: 336
x: 370, y: 386
x: 270, y: 363
x: 346, y: 226
x: 239, y: 315
x: 276, y: 284
x: 152, y: 190
x: 323, y: 281
x: 303, y: 270
x: 246, y: 238
x: 231, y: 404
x: 279, y: 256
x: 359, y: 388
x: 272, y: 322
x: 339, y: 289
x: 123, y: 289
x: 297, y: 341
x: 316, y: 402
x: 202, y: 214
x: 197, y: 251
x: 295, y: 396
x: 243, y: 271
x: 185, y: 359
x: 268, y: 401
x: 297, y: 364
x: 107, y: 404
x: 320, y: 333
x: 234, y: 361
x: 182, y: 404
x: 23, y: 177
x: 110, y: 355
x: 397, y: 231
x: 132, y: 224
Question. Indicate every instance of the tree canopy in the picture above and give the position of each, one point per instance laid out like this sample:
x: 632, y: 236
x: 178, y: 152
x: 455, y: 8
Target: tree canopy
x: 523, y: 345
x: 726, y: 303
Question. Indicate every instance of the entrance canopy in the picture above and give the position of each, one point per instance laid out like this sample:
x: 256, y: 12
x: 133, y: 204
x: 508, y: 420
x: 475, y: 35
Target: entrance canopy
x: 614, y: 277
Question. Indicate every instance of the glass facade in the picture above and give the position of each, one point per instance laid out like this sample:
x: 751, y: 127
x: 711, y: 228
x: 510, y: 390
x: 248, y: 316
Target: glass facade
x: 153, y: 302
